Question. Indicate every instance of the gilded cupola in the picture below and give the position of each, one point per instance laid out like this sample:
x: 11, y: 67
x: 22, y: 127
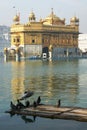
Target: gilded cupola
x: 32, y: 17
x: 52, y: 19
x: 16, y: 18
x: 74, y: 21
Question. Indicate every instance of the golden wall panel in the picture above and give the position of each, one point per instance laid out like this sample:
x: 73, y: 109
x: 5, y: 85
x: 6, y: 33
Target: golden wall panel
x: 37, y: 33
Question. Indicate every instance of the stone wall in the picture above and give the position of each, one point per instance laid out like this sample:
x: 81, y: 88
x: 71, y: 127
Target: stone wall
x: 64, y: 52
x: 32, y: 50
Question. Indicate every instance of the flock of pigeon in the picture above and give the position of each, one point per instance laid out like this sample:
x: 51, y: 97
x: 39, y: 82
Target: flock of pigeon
x: 28, y: 94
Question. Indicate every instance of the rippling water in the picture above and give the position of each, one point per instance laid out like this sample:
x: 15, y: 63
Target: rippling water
x: 52, y: 80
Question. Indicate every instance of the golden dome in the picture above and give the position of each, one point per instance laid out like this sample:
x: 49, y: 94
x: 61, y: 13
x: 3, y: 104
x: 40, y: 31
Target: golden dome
x: 53, y: 19
x: 16, y: 18
x: 32, y: 16
x: 74, y: 19
x: 52, y: 16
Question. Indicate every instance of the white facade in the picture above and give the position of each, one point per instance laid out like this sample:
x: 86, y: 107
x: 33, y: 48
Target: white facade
x: 35, y: 50
x: 82, y: 42
x: 4, y: 38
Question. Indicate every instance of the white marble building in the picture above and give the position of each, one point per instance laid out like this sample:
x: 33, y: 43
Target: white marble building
x: 4, y: 38
x: 82, y: 43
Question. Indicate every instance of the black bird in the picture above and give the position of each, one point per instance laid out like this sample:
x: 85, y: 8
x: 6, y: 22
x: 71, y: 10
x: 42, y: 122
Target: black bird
x: 19, y: 105
x: 34, y: 104
x: 27, y: 104
x: 38, y: 100
x: 13, y: 107
x: 59, y: 103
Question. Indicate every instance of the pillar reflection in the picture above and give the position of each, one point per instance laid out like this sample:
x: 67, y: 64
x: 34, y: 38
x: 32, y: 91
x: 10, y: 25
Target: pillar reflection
x: 50, y: 80
x: 17, y: 82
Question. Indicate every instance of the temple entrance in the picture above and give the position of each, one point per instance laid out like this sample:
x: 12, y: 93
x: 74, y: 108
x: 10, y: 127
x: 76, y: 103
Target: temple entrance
x: 45, y: 52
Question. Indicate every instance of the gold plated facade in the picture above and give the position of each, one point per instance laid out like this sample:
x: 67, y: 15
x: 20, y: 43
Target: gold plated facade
x: 50, y: 32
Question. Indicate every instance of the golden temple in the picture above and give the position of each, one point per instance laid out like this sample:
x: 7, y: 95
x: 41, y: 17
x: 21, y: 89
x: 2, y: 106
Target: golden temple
x: 51, y: 36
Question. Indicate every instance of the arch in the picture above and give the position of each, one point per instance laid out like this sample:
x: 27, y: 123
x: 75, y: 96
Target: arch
x: 46, y: 50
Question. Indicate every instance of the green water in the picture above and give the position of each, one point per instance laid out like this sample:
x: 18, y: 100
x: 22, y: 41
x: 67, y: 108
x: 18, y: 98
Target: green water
x: 52, y: 80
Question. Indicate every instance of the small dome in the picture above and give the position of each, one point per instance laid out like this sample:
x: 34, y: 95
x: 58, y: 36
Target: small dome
x: 74, y: 19
x: 32, y: 16
x: 16, y: 18
x: 52, y: 16
x: 53, y: 19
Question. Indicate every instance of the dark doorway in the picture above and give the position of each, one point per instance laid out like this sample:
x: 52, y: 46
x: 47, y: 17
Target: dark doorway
x: 46, y: 50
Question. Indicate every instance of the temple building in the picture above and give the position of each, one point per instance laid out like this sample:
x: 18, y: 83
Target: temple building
x: 50, y: 36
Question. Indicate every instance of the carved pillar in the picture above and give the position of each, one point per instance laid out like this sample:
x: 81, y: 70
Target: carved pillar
x: 18, y: 54
x: 50, y: 51
x: 6, y: 54
x: 67, y: 52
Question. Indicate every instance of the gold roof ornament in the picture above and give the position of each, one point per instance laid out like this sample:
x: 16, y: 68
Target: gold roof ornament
x: 74, y: 19
x: 32, y: 16
x: 53, y: 19
x: 16, y: 18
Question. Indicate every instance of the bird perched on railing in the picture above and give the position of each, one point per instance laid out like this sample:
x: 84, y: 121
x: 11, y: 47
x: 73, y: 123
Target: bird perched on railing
x: 27, y: 104
x: 38, y: 100
x: 59, y: 103
x: 19, y: 105
x: 34, y: 104
x: 13, y: 106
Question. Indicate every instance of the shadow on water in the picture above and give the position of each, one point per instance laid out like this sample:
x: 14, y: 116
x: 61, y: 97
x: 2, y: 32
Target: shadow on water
x: 25, y: 118
x: 28, y: 119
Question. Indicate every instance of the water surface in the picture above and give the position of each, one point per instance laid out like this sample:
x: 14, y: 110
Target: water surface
x: 52, y: 80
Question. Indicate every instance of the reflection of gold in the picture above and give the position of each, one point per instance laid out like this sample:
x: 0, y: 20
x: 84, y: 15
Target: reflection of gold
x: 17, y: 87
x: 17, y: 82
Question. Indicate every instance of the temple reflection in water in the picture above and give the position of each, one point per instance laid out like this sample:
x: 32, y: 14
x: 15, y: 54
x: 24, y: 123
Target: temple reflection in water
x: 50, y: 81
x: 17, y: 82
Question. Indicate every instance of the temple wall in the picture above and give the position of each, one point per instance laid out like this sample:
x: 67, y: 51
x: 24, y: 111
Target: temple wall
x: 32, y: 50
x: 61, y: 52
